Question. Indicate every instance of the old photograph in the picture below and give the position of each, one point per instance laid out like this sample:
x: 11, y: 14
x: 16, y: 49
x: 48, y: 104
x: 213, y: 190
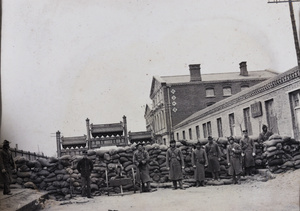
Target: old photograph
x: 120, y: 105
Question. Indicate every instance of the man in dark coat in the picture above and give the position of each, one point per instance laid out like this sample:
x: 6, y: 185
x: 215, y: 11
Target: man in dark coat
x: 265, y: 134
x: 7, y: 166
x: 175, y: 164
x: 214, y: 155
x: 199, y: 161
x: 234, y: 160
x: 141, y: 160
x: 85, y: 167
x: 248, y: 148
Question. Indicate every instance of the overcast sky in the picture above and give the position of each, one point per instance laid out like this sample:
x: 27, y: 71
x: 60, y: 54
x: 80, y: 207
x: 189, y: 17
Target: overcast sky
x: 67, y: 60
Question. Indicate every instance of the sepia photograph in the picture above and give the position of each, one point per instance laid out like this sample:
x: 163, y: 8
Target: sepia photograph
x: 117, y: 105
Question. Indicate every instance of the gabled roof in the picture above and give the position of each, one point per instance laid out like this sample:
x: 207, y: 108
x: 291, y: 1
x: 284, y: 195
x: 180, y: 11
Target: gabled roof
x: 245, y: 94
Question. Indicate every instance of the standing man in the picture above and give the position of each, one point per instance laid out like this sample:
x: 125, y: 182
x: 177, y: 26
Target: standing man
x: 199, y: 161
x: 85, y: 167
x: 234, y: 160
x: 7, y: 166
x: 141, y: 160
x: 264, y: 135
x: 214, y: 156
x: 175, y: 164
x: 248, y: 148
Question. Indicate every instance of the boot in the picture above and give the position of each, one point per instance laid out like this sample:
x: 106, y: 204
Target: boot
x: 174, y: 185
x: 217, y: 176
x: 202, y: 183
x: 234, y: 180
x: 180, y: 185
x: 148, y: 187
x: 197, y: 183
x: 239, y: 179
x: 213, y: 176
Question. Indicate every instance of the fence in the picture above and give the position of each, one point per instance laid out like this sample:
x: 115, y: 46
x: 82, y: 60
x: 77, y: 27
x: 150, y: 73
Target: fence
x: 28, y: 155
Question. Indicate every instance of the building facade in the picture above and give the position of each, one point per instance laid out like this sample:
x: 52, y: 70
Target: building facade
x: 274, y: 102
x: 174, y: 98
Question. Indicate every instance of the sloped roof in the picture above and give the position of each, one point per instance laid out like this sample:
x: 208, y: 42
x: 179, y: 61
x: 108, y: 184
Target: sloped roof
x: 260, y: 74
x: 76, y: 141
x: 252, y: 91
x: 107, y: 129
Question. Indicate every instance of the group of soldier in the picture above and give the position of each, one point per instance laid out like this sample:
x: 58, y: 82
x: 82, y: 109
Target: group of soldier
x: 240, y: 159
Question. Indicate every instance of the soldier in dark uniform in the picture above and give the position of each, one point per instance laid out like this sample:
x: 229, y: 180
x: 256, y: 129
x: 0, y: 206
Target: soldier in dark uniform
x: 175, y: 164
x: 85, y: 167
x: 248, y: 147
x: 141, y: 160
x: 199, y: 161
x: 234, y: 160
x: 265, y: 134
x: 7, y: 166
x: 214, y: 155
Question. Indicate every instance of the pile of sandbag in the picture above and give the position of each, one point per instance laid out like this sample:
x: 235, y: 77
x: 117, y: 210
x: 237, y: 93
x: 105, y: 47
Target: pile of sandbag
x: 281, y: 153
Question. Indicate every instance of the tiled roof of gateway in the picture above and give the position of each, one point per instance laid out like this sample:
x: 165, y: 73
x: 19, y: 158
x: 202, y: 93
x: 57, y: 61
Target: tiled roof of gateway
x: 251, y: 91
x: 263, y: 74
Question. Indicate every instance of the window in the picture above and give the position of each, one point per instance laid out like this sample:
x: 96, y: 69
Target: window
x: 231, y: 124
x: 183, y: 135
x: 190, y: 133
x: 210, y: 92
x: 197, y: 132
x: 204, y: 130
x: 243, y: 87
x: 220, y: 130
x: 227, y: 91
x: 209, y: 132
x: 177, y: 135
x: 247, y: 120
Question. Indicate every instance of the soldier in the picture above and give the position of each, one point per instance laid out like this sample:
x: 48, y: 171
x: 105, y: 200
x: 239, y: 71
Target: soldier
x: 7, y: 166
x: 85, y: 167
x: 199, y: 161
x: 234, y: 160
x: 248, y: 148
x: 141, y: 160
x: 214, y: 156
x: 175, y: 164
x: 265, y: 134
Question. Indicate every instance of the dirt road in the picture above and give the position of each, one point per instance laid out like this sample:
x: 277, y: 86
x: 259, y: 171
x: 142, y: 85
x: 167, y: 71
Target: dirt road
x: 281, y: 193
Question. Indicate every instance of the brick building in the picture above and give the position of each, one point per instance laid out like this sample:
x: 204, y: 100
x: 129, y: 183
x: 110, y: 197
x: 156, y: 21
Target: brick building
x: 174, y: 98
x: 274, y: 102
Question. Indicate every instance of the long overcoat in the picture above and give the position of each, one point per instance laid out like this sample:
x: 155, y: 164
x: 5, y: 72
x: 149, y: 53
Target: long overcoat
x: 199, y: 159
x: 234, y: 157
x: 213, y: 154
x: 175, y: 162
x: 142, y: 168
x: 248, y: 147
x: 7, y: 163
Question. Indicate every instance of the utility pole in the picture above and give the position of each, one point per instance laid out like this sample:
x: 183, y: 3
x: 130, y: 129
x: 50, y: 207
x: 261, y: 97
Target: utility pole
x: 293, y: 25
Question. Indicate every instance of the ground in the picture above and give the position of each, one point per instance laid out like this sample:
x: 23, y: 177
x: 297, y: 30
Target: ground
x: 281, y: 193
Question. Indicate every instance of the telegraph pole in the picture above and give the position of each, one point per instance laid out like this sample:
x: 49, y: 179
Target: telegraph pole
x: 293, y: 25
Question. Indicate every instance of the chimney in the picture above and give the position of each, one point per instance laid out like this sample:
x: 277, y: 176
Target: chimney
x: 243, y: 69
x: 195, y: 72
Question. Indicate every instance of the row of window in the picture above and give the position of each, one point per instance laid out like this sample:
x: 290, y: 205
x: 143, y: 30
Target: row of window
x: 207, y: 129
x: 159, y: 121
x: 210, y: 92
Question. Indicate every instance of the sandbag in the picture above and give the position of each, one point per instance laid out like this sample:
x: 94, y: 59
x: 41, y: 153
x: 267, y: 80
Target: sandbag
x: 44, y: 162
x: 21, y: 160
x: 128, y: 168
x: 215, y: 182
x: 43, y: 173
x: 65, y: 157
x: 24, y: 174
x: 53, y: 160
x: 30, y: 185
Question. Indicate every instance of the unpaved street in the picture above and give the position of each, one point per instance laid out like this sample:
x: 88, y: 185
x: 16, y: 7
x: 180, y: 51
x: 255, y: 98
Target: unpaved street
x: 281, y: 193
